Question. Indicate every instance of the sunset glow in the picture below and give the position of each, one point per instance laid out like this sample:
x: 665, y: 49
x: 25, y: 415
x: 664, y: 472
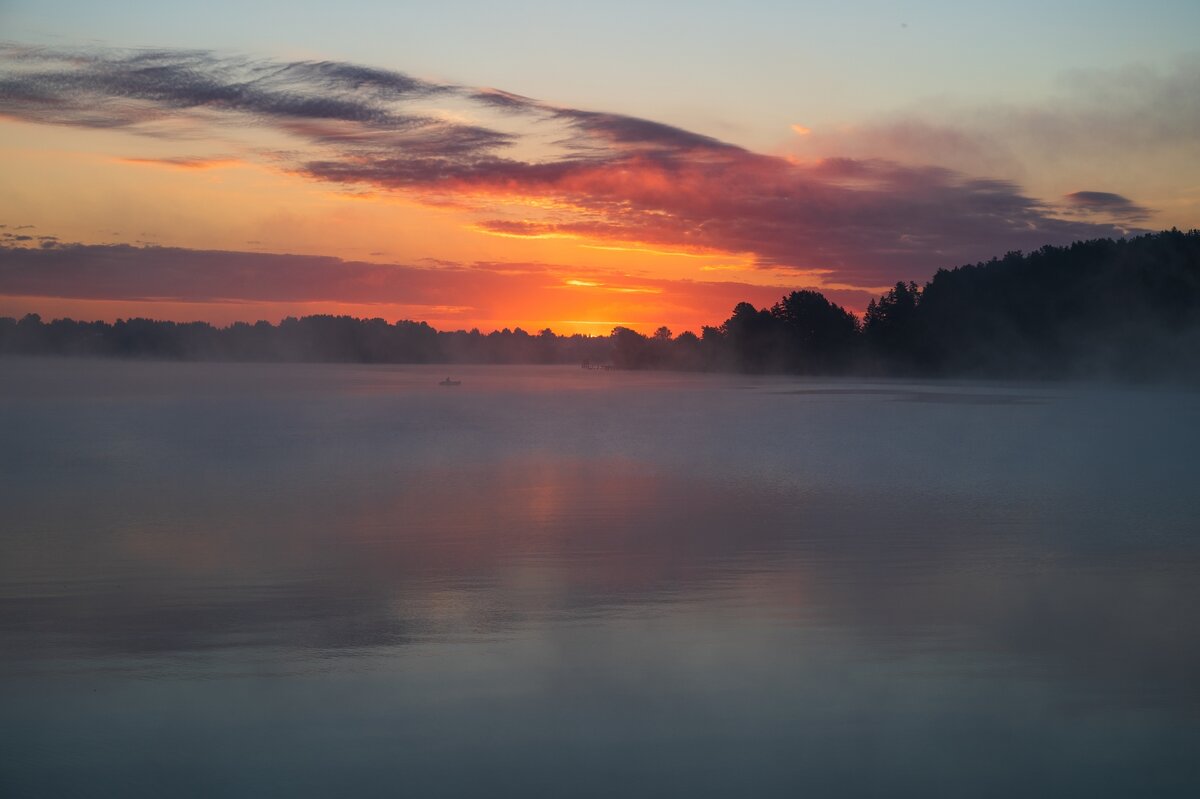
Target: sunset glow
x: 622, y: 399
x: 479, y: 205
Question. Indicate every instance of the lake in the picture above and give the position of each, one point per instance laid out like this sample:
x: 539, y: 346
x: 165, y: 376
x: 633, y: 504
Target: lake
x: 338, y: 580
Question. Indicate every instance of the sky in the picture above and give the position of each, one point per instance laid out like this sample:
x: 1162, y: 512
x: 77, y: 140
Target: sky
x: 566, y: 165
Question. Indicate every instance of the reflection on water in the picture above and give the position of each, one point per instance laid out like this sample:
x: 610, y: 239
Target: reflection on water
x: 331, y: 580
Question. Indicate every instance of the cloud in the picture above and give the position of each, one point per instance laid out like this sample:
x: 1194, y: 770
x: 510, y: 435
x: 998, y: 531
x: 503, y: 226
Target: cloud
x: 60, y: 86
x: 1139, y: 124
x: 1108, y: 204
x: 141, y: 279
x: 529, y: 168
x: 1120, y: 110
x: 182, y: 162
x: 126, y: 272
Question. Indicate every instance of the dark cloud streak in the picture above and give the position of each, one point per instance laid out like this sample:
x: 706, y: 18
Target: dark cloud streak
x: 1107, y: 203
x: 623, y: 178
x: 150, y: 274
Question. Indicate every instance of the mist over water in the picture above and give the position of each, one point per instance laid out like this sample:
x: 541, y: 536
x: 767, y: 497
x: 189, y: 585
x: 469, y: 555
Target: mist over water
x: 315, y: 580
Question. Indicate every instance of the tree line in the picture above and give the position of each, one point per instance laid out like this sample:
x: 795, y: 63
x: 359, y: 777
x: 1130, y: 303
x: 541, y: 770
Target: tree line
x: 1128, y: 308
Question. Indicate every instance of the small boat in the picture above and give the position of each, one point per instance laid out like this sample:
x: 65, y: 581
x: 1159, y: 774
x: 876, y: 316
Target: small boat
x: 449, y: 382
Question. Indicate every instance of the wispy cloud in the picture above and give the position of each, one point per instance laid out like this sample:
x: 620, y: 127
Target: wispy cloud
x: 182, y: 162
x: 1101, y: 130
x: 529, y: 168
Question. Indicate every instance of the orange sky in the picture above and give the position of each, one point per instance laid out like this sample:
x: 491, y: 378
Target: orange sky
x: 136, y: 190
x: 90, y: 188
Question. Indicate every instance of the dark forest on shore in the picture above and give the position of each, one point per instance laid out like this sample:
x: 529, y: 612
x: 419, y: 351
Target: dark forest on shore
x: 1127, y: 309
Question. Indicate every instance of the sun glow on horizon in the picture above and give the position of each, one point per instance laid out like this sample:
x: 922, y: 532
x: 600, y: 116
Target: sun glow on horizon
x: 460, y: 205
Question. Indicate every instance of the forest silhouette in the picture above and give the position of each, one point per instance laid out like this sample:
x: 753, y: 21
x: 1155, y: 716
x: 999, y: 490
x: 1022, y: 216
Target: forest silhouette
x: 1127, y: 309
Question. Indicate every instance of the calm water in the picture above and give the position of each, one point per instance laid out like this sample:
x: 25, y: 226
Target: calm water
x: 246, y: 580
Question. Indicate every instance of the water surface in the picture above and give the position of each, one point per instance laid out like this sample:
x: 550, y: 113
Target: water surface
x: 319, y: 580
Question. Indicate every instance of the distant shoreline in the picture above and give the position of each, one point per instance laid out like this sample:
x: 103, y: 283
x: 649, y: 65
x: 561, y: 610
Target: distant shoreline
x: 1126, y: 310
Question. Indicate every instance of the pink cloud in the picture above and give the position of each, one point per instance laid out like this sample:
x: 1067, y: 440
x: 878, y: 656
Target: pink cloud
x: 610, y: 177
